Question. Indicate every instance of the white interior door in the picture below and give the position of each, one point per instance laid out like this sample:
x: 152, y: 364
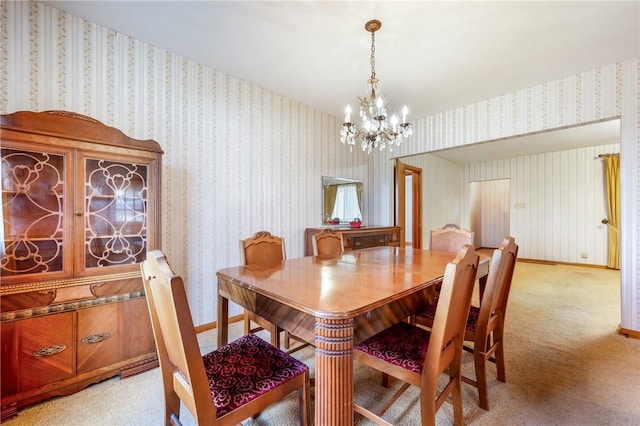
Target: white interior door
x: 490, y: 212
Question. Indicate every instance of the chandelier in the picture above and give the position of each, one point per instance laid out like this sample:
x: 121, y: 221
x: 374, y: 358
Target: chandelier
x: 375, y: 131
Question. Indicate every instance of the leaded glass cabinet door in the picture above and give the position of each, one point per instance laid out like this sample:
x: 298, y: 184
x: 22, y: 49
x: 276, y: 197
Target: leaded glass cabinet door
x: 115, y: 218
x: 37, y: 193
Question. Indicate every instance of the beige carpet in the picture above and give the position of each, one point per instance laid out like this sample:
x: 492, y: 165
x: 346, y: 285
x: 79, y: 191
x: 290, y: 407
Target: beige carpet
x: 566, y: 365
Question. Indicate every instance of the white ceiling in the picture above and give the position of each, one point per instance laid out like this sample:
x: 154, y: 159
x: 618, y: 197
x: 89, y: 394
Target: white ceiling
x: 432, y: 56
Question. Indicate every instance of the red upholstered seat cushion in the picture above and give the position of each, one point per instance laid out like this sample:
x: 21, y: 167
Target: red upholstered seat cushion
x: 402, y: 344
x: 245, y: 369
x: 472, y: 320
x: 429, y: 312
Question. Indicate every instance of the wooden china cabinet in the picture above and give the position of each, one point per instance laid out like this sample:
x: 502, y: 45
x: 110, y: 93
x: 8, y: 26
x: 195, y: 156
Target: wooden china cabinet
x: 80, y: 209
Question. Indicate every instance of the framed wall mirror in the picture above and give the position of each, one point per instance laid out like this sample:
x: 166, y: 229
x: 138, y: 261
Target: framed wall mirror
x: 342, y: 200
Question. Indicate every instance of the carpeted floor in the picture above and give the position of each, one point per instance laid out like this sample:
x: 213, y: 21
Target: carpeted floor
x: 566, y: 365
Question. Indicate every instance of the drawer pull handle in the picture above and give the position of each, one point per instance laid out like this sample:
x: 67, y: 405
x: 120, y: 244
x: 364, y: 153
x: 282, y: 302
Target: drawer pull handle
x: 96, y: 338
x: 357, y: 243
x: 50, y: 350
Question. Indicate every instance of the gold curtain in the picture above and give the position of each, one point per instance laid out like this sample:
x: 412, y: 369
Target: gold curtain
x: 330, y: 193
x: 359, y: 192
x: 612, y: 179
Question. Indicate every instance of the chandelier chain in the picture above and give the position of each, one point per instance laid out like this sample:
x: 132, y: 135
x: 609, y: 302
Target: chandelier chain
x: 372, y: 61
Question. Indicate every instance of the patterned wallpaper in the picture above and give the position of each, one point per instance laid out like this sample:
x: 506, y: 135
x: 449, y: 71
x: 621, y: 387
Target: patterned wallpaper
x: 609, y: 92
x: 239, y: 158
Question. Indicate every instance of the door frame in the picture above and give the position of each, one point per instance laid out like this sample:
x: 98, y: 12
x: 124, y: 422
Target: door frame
x: 401, y: 171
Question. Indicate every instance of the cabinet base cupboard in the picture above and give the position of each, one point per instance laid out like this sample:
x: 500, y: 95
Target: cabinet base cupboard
x: 80, y: 209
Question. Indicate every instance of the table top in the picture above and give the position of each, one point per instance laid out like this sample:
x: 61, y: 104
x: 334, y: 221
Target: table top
x: 344, y: 286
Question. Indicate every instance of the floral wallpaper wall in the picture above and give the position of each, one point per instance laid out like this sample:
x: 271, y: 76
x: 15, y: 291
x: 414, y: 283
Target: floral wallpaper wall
x: 238, y: 158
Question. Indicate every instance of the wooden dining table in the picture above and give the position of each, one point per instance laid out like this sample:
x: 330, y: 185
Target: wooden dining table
x: 333, y: 303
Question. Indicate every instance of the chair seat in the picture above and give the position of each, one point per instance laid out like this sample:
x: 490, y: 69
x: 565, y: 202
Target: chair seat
x: 472, y: 319
x: 246, y: 368
x: 402, y: 344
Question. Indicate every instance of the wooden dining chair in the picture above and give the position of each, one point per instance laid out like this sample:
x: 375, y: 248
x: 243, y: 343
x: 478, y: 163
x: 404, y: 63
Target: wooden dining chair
x: 450, y: 238
x: 419, y: 357
x: 327, y: 243
x: 263, y: 247
x: 485, y: 325
x: 227, y: 385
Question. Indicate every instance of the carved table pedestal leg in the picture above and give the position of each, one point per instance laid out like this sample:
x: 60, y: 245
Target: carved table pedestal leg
x: 334, y: 372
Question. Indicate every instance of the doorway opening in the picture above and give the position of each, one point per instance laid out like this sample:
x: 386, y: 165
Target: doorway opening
x: 408, y: 202
x: 490, y: 211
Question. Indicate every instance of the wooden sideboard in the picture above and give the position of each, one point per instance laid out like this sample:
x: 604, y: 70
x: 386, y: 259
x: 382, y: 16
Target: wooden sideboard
x: 358, y: 238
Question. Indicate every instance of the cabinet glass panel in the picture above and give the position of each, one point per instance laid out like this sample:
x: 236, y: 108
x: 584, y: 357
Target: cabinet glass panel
x: 32, y: 206
x: 116, y: 213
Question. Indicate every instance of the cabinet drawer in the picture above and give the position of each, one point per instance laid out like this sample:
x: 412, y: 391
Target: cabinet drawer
x: 97, y: 337
x: 358, y: 238
x: 46, y: 345
x: 368, y: 241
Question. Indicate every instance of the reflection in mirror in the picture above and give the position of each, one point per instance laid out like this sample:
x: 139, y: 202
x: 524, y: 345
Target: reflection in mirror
x: 341, y: 200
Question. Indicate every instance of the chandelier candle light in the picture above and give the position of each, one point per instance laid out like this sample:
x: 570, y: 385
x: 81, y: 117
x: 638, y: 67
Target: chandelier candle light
x: 375, y: 131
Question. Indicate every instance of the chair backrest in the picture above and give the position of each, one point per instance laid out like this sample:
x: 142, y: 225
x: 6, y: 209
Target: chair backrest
x: 496, y: 293
x: 327, y: 243
x: 262, y: 247
x: 450, y: 238
x: 183, y: 372
x: 447, y: 333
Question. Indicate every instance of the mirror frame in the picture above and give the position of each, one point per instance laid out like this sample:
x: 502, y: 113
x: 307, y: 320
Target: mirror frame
x: 333, y: 181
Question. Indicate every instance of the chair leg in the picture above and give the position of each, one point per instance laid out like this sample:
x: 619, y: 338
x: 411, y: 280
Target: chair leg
x: 304, y: 400
x: 275, y: 335
x: 247, y: 323
x: 428, y: 406
x: 386, y: 380
x: 287, y: 340
x: 172, y: 408
x: 499, y: 355
x: 456, y: 396
x: 480, y: 361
